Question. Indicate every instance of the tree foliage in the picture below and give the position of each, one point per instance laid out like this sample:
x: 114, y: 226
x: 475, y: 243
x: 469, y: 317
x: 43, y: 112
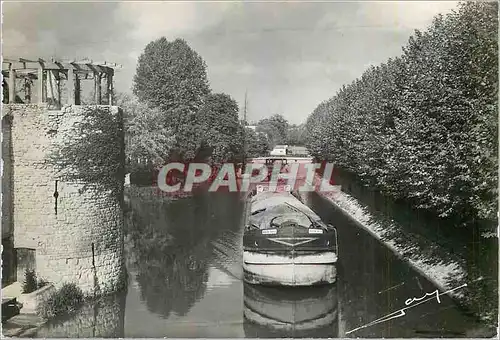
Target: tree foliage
x: 172, y: 77
x: 423, y: 126
x: 295, y: 135
x: 256, y: 143
x: 275, y: 127
x: 222, y: 132
x: 146, y: 134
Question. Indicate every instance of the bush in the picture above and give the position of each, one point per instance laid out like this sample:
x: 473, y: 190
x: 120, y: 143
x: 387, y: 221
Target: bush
x: 30, y: 282
x: 64, y: 301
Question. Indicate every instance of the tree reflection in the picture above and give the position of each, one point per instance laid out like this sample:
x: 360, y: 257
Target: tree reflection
x: 171, y: 244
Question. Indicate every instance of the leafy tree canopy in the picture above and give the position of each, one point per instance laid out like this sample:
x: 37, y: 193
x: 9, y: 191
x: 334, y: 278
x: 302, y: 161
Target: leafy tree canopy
x: 275, y: 127
x: 171, y: 75
x: 221, y: 129
x: 256, y: 143
x: 423, y: 126
x: 146, y: 136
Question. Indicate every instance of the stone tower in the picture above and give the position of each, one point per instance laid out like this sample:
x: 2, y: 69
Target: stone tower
x: 63, y: 184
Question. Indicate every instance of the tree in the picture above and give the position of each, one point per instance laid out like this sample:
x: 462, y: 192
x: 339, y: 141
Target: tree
x: 256, y: 144
x: 423, y: 126
x: 295, y: 135
x: 172, y: 77
x: 275, y: 128
x: 146, y: 136
x: 221, y: 129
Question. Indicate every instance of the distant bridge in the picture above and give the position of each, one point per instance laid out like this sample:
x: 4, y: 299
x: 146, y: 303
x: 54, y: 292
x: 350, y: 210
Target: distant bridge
x: 290, y: 159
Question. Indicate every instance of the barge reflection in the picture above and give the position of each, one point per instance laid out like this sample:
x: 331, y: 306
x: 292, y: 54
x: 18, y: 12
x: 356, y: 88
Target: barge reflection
x: 298, y: 312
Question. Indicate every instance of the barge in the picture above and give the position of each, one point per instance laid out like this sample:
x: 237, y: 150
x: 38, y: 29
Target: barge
x: 286, y: 243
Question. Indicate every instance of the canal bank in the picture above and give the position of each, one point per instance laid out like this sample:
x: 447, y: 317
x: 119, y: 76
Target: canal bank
x: 446, y: 270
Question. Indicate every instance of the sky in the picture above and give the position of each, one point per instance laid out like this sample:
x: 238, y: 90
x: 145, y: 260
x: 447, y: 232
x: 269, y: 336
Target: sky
x: 287, y: 56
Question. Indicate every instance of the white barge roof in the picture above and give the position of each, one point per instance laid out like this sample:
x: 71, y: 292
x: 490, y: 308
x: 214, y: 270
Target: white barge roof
x: 272, y: 199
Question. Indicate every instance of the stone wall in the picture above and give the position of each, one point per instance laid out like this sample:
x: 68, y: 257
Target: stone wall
x: 104, y: 318
x: 78, y: 235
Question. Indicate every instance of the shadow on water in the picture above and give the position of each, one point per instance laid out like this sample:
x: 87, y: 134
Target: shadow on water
x: 170, y: 247
x: 271, y: 312
x: 374, y: 283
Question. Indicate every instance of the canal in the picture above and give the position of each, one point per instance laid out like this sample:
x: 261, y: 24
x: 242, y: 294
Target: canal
x: 185, y: 281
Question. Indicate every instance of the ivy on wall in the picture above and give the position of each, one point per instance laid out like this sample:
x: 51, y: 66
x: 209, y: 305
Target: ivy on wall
x: 89, y: 147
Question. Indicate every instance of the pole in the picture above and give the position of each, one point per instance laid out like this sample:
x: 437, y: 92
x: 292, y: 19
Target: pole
x: 244, y: 134
x: 245, y: 109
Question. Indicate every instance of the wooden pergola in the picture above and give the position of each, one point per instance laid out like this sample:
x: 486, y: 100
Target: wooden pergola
x: 51, y: 74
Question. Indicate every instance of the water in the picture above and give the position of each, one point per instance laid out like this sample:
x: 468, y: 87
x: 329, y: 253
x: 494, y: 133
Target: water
x: 185, y: 280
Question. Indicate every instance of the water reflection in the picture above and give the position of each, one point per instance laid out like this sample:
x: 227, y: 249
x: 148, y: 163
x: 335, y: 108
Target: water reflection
x: 184, y: 263
x: 290, y: 312
x: 373, y: 282
x: 170, y: 243
x: 103, y: 318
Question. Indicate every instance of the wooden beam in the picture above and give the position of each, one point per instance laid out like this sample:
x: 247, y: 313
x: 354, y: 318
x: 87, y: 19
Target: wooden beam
x: 25, y: 75
x: 71, y: 87
x: 22, y: 60
x: 58, y: 63
x: 56, y: 73
x: 12, y: 85
x: 58, y: 66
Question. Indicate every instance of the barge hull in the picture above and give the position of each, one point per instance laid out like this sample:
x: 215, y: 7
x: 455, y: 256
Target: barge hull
x: 287, y: 271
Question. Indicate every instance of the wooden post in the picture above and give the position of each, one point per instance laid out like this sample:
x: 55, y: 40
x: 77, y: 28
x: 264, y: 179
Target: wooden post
x: 59, y: 89
x: 27, y: 91
x: 12, y: 84
x: 40, y: 84
x: 97, y: 80
x: 46, y: 76
x: 78, y: 90
x: 110, y: 88
x: 57, y: 98
x: 71, y: 86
